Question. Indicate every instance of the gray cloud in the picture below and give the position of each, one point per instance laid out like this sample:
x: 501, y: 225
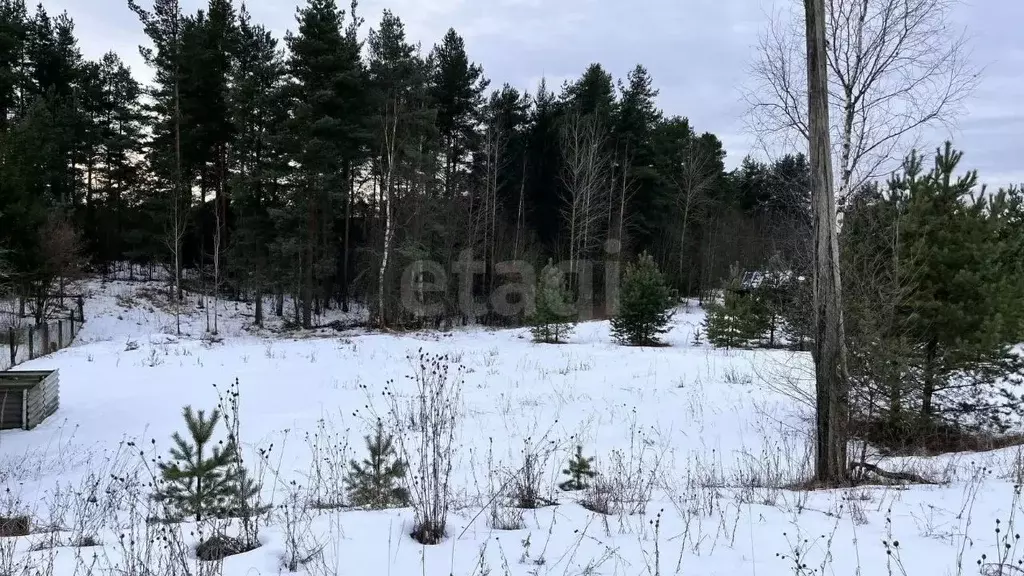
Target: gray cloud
x: 698, y: 52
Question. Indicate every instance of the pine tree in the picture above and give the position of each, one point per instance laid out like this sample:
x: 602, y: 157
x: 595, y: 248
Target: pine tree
x: 406, y: 150
x: 372, y: 483
x: 118, y: 174
x: 934, y: 312
x: 645, y: 304
x: 543, y: 165
x: 258, y: 113
x: 14, y: 28
x: 741, y: 319
x: 638, y: 208
x: 164, y: 221
x: 456, y: 89
x: 963, y: 310
x: 551, y: 321
x: 326, y: 135
x: 579, y: 472
x: 728, y: 323
x: 200, y: 479
x: 593, y: 94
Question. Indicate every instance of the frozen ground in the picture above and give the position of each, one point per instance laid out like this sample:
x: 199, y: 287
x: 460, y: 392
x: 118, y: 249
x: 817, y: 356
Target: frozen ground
x: 711, y: 438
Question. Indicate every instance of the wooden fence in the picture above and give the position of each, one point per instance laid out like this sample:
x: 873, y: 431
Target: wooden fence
x: 24, y: 343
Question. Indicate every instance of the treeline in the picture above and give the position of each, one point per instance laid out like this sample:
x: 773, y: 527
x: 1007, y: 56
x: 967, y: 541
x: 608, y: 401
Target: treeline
x: 320, y: 167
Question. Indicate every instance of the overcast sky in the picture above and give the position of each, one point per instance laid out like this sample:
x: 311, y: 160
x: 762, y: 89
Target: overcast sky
x: 698, y: 52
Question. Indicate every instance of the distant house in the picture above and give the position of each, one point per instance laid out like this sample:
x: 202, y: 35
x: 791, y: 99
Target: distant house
x: 755, y: 279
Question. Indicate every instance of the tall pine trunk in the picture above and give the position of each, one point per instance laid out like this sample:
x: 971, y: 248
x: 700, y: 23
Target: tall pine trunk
x: 177, y: 225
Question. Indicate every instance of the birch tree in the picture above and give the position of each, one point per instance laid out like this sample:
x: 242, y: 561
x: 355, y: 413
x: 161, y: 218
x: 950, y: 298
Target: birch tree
x: 586, y: 184
x: 896, y: 68
x: 389, y: 130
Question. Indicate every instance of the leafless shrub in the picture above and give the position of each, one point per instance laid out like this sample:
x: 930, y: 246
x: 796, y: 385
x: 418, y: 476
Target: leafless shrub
x: 625, y: 483
x: 760, y: 478
x: 501, y: 516
x: 329, y: 457
x: 61, y: 262
x: 247, y: 481
x: 857, y: 513
x: 600, y: 495
x: 624, y: 487
x: 10, y: 561
x: 155, y: 549
x: 528, y: 481
x: 506, y: 518
x: 301, y: 545
x: 126, y: 300
x: 430, y: 448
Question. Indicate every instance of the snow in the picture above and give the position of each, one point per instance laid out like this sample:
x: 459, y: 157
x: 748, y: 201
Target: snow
x: 720, y: 436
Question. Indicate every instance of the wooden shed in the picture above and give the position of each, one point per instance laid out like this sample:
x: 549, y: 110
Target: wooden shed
x: 27, y: 398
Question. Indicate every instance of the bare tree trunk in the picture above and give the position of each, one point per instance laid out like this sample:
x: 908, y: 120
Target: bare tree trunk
x: 519, y: 213
x: 829, y: 346
x: 585, y: 177
x: 177, y: 227
x: 682, y: 239
x: 390, y: 134
x: 348, y: 219
x: 309, y: 256
x: 259, y: 304
x: 624, y: 194
x: 216, y: 261
x: 928, y: 392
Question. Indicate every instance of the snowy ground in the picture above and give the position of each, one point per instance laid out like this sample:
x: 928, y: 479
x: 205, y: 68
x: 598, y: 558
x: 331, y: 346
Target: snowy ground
x: 716, y: 437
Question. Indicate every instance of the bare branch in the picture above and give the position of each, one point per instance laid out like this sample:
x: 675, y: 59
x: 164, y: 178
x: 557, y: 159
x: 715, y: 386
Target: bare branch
x: 895, y: 68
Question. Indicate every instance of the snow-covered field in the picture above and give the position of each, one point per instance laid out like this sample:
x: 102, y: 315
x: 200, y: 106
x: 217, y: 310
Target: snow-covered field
x: 717, y: 438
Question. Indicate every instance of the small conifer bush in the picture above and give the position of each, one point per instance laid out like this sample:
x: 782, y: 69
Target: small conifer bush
x: 579, y: 471
x: 374, y: 483
x: 551, y: 322
x: 203, y: 477
x: 739, y: 320
x: 645, y: 304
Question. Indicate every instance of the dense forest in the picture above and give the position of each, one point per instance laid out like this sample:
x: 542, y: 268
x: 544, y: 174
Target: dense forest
x: 321, y: 166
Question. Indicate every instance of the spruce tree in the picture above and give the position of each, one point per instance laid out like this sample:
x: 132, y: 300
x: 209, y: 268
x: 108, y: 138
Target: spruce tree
x: 645, y: 304
x: 373, y: 483
x: 551, y: 321
x: 200, y: 479
x: 579, y: 472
